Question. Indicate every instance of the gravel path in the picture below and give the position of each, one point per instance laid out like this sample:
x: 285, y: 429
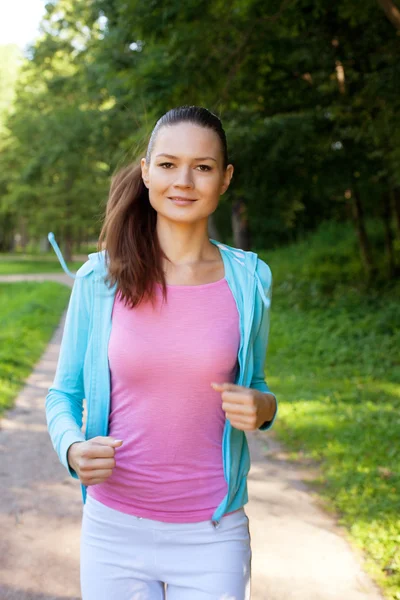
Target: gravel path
x: 299, y: 553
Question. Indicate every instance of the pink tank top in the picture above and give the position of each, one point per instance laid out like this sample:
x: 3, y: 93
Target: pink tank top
x: 162, y: 362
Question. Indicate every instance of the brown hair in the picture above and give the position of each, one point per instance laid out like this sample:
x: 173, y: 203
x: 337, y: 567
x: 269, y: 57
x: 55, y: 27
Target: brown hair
x: 133, y: 253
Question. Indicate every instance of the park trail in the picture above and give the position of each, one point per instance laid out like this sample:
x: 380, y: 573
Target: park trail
x: 298, y: 550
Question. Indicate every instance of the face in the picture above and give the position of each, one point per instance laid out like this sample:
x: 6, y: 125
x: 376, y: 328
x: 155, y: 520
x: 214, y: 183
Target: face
x: 186, y: 163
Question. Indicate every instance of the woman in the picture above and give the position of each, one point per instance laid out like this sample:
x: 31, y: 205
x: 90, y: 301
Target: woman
x: 165, y: 336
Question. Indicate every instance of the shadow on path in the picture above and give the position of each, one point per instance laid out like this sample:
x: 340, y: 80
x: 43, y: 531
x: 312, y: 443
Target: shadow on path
x: 7, y: 593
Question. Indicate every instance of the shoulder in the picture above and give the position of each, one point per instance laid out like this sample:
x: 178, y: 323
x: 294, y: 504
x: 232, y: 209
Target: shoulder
x: 94, y: 264
x: 236, y: 253
x: 252, y: 261
x: 264, y: 273
x: 85, y: 270
x: 264, y: 276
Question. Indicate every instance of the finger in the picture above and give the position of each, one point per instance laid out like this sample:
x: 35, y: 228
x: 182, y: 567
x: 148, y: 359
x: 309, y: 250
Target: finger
x: 94, y: 481
x: 98, y: 476
x: 87, y: 464
x: 98, y: 451
x: 106, y: 441
x: 102, y: 463
x: 241, y: 419
x: 241, y: 425
x: 227, y: 386
x: 238, y: 409
x: 240, y: 398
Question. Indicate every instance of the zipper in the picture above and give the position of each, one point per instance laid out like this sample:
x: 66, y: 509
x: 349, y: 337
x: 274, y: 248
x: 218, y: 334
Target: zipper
x: 250, y: 331
x: 243, y: 369
x: 94, y: 368
x: 94, y: 353
x: 228, y: 426
x: 94, y: 348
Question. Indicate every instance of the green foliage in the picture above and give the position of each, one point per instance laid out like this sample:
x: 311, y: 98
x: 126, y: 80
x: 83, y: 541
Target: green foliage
x: 10, y: 59
x: 29, y: 313
x: 308, y: 93
x: 333, y: 362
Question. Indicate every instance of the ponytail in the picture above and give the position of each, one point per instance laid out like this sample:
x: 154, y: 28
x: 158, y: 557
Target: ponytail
x: 133, y: 254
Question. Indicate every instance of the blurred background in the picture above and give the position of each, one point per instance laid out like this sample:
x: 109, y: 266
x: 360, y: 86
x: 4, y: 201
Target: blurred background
x: 309, y: 95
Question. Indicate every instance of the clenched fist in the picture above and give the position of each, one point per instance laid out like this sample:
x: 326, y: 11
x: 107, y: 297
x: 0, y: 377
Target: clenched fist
x: 246, y: 408
x: 93, y: 460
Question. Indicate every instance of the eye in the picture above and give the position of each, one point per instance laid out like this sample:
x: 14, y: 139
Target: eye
x: 167, y: 165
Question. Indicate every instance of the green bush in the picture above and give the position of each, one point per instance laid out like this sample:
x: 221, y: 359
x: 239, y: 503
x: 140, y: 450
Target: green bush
x: 333, y: 361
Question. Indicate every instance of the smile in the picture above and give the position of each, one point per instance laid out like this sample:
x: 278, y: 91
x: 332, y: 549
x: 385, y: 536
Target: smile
x: 181, y: 201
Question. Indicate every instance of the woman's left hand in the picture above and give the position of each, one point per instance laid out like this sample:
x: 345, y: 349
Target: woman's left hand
x: 246, y: 408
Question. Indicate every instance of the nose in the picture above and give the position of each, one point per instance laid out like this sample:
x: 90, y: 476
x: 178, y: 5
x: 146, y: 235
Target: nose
x: 184, y: 177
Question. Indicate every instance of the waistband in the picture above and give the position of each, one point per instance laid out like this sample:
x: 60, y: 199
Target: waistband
x: 96, y: 508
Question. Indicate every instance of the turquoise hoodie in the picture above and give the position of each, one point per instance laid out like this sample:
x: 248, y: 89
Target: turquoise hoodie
x: 83, y: 369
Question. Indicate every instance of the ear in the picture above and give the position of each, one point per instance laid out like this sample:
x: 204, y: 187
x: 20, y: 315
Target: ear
x: 227, y: 179
x: 145, y: 172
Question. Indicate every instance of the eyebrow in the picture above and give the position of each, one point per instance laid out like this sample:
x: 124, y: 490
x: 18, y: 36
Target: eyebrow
x: 172, y: 156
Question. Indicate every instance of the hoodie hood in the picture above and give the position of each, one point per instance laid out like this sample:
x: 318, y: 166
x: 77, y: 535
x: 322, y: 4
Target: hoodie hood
x: 247, y: 259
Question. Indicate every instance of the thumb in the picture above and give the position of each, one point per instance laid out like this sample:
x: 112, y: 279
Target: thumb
x: 227, y: 386
x: 217, y: 386
x: 220, y: 386
x: 108, y: 441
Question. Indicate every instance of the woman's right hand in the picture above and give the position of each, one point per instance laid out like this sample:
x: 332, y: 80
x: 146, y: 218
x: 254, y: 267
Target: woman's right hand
x: 93, y: 460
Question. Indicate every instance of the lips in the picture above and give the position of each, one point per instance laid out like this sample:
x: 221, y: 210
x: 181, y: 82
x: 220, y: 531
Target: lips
x: 182, y: 199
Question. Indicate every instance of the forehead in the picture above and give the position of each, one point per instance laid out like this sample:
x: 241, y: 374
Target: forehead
x: 187, y: 139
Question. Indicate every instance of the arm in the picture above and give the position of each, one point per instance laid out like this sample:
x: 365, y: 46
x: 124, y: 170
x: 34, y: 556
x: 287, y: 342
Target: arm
x: 261, y: 339
x: 64, y: 401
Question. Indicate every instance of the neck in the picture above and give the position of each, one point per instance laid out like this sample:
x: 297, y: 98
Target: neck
x: 185, y: 245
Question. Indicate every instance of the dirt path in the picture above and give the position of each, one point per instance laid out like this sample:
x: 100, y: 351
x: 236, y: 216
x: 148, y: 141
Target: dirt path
x: 298, y: 551
x: 59, y: 277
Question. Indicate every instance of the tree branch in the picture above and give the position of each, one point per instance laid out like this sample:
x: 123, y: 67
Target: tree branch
x: 276, y: 16
x: 391, y: 11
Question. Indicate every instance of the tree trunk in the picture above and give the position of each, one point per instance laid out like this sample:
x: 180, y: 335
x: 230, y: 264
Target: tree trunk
x: 7, y: 234
x: 391, y: 11
x: 67, y: 250
x: 44, y: 245
x: 24, y: 234
x: 78, y: 241
x: 395, y: 194
x: 386, y: 214
x: 212, y: 229
x: 68, y: 231
x: 363, y: 242
x: 11, y: 245
x: 240, y: 227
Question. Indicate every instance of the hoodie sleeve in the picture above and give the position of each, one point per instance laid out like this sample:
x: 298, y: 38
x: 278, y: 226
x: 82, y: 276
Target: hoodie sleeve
x: 64, y: 401
x: 260, y: 345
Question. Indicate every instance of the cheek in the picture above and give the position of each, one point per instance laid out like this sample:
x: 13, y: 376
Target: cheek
x: 210, y: 185
x: 159, y: 180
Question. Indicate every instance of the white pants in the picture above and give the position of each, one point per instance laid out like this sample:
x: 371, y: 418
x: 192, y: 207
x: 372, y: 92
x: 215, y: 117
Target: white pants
x: 131, y: 558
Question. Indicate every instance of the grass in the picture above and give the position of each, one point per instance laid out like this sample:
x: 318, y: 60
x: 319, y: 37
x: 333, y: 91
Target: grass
x: 16, y: 264
x: 29, y: 313
x: 334, y: 362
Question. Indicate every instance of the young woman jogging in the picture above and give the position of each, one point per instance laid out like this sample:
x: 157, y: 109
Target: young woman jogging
x: 165, y: 337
